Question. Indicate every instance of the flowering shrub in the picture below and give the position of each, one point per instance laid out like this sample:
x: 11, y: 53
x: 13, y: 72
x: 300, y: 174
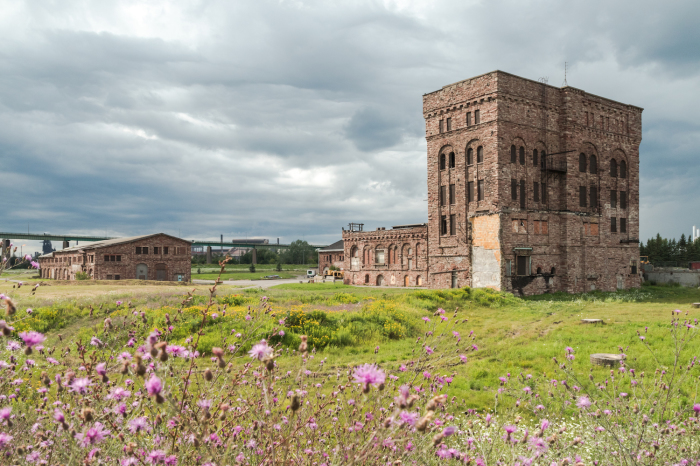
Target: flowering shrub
x: 144, y: 390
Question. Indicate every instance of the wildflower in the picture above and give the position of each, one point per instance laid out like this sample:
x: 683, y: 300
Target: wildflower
x: 455, y: 334
x: 527, y: 390
x: 118, y: 394
x: 6, y: 414
x: 463, y: 358
x: 427, y: 374
x: 696, y: 408
x: 33, y: 457
x: 156, y: 456
x: 449, y: 431
x: 623, y: 394
x: 510, y: 429
x: 251, y: 443
x: 429, y: 350
x: 426, y: 319
x: 80, y: 385
x: 138, y: 424
x: 409, y: 418
x: 13, y: 345
x: 642, y: 338
x: 281, y: 333
x: 29, y: 311
x: 5, y: 440
x: 119, y: 303
x: 176, y: 351
x: 154, y: 386
x: 261, y: 351
x: 402, y: 368
x: 94, y: 341
x: 369, y: 374
x: 31, y: 339
x: 583, y: 402
x: 93, y: 435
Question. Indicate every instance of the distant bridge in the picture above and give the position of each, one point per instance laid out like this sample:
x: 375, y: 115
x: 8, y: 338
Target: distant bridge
x: 252, y: 244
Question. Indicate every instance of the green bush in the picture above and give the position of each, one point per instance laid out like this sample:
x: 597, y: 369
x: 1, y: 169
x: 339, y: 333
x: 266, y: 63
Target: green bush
x: 82, y: 276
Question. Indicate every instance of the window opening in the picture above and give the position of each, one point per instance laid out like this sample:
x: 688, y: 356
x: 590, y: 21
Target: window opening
x: 544, y: 192
x: 594, y: 197
x: 513, y: 155
x: 454, y: 280
x: 480, y: 188
x: 582, y: 196
x: 613, y: 168
x: 441, y: 124
x: 623, y: 199
x: 623, y: 225
x: 453, y: 225
x: 470, y: 156
x: 594, y: 164
x: 522, y: 155
x: 514, y: 189
x: 582, y: 162
x: 477, y: 117
x: 479, y: 154
x: 522, y: 194
x: 536, y: 191
x: 165, y: 249
x: 442, y: 195
x: 443, y: 225
x: 613, y: 199
x: 523, y: 265
x: 613, y: 225
x: 449, y: 124
x: 470, y: 191
x: 623, y: 169
x: 442, y: 161
x: 469, y: 118
x: 534, y: 157
x: 452, y: 159
x: 452, y: 194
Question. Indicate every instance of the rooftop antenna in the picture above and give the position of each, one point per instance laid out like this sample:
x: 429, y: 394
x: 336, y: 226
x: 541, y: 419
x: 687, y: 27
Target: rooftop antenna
x: 565, y: 83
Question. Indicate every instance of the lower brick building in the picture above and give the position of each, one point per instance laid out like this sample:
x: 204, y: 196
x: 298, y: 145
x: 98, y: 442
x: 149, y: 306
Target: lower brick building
x: 531, y: 189
x: 331, y: 256
x: 151, y: 257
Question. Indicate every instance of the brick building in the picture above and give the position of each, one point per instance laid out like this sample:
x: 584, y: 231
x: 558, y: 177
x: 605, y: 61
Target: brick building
x: 331, y: 255
x: 151, y: 257
x: 531, y: 188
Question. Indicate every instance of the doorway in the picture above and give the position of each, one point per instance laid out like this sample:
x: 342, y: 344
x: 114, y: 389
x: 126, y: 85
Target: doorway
x: 142, y: 272
x: 160, y: 272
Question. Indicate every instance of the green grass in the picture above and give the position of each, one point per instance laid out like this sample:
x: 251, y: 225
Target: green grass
x: 242, y: 275
x: 513, y: 334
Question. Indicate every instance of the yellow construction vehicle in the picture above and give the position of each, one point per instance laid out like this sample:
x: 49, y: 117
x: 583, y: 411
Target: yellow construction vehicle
x: 643, y: 260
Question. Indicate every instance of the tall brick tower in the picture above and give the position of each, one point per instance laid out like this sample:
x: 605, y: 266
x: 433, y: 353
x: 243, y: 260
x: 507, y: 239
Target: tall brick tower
x: 531, y: 188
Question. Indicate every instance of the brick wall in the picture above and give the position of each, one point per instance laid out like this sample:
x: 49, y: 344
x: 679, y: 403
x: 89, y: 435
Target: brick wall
x: 328, y: 258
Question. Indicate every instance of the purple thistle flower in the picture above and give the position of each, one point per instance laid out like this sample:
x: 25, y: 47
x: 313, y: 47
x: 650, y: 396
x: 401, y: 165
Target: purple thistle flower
x: 30, y: 310
x: 80, y: 385
x: 177, y: 351
x: 5, y: 440
x: 6, y: 413
x: 33, y: 457
x: 93, y: 435
x: 510, y: 429
x: 101, y: 369
x: 463, y: 357
x: 261, y: 351
x: 13, y: 345
x: 449, y: 431
x: 59, y: 416
x: 583, y: 402
x: 696, y: 408
x: 118, y: 394
x: 32, y: 338
x: 429, y: 350
x: 138, y: 424
x: 409, y: 418
x: 154, y: 386
x: 426, y: 319
x: 119, y: 303
x: 156, y: 456
x: 369, y: 374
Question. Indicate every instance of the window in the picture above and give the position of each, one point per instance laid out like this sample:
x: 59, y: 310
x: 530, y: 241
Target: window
x: 452, y: 194
x: 479, y: 154
x: 522, y: 155
x: 536, y: 191
x: 623, y: 225
x: 119, y: 258
x: 623, y: 169
x: 613, y: 168
x: 509, y: 267
x: 470, y: 191
x: 449, y: 124
x: 613, y: 225
x: 544, y: 192
x: 453, y: 225
x: 523, y: 265
x: 452, y: 159
x: 109, y: 277
x: 366, y: 279
x: 594, y: 197
x: 144, y: 250
x: 541, y: 227
x: 441, y: 126
x: 156, y: 250
x: 380, y: 256
x: 453, y: 283
x: 543, y: 159
x: 470, y: 156
x: 534, y: 158
x: 514, y: 189
x: 480, y: 189
x: 582, y: 196
x: 522, y: 194
x: 582, y: 162
x: 513, y: 156
x: 590, y: 229
x: 613, y: 199
x: 106, y: 257
x: 593, y: 164
x: 623, y: 199
x: 633, y: 267
x: 477, y: 117
x: 117, y: 277
x: 165, y: 249
x: 443, y: 225
x: 138, y: 249
x: 443, y: 192
x: 469, y: 118
x: 442, y: 161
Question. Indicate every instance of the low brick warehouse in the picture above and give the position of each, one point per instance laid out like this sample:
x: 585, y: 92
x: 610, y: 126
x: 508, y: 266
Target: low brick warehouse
x: 333, y: 255
x: 151, y: 257
x: 531, y: 188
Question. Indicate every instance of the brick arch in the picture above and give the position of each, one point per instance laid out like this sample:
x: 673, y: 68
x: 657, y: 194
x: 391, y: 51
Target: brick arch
x: 520, y: 145
x: 444, y: 156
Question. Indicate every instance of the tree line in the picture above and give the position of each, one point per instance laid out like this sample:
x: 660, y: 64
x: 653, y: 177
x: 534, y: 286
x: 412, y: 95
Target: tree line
x: 662, y: 250
x: 299, y: 252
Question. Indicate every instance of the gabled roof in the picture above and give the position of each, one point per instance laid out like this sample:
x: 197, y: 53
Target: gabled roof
x: 111, y: 242
x: 337, y: 246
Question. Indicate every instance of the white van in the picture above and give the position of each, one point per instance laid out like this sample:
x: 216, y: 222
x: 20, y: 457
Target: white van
x: 310, y: 273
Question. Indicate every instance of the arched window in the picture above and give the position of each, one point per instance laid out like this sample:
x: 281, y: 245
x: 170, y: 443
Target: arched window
x: 539, y: 270
x: 522, y: 155
x: 513, y: 156
x: 543, y: 159
x: 452, y: 159
x: 593, y: 164
x: 479, y: 154
x: 613, y: 168
x: 442, y: 161
x: 534, y: 158
x: 623, y: 169
x: 366, y: 279
x: 470, y: 156
x: 552, y: 271
x: 582, y: 162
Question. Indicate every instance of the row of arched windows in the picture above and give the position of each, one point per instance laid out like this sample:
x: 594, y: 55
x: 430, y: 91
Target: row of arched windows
x: 518, y: 154
x: 590, y: 164
x: 446, y: 159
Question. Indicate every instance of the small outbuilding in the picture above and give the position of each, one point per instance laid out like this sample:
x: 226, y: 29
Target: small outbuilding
x: 150, y: 257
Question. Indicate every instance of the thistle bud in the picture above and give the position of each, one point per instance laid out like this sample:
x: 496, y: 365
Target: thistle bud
x: 208, y: 375
x: 11, y: 308
x: 87, y: 414
x: 422, y: 424
x: 296, y: 404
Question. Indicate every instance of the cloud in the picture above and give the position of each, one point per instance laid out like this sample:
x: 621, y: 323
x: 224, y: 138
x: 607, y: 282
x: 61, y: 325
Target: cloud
x: 292, y: 118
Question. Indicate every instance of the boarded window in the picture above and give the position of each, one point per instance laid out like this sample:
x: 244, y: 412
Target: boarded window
x: 477, y: 117
x: 380, y: 256
x: 452, y: 159
x: 469, y: 118
x: 513, y: 155
x: 623, y: 225
x: 613, y: 225
x: 613, y: 199
x: 480, y: 188
x: 543, y: 159
x: 479, y: 154
x: 594, y: 229
x: 522, y: 155
x: 534, y: 158
x: 144, y: 250
x: 522, y: 194
x: 594, y: 197
x: 582, y: 194
x: 536, y: 227
x: 119, y: 258
x: 544, y: 227
x: 449, y: 124
x: 453, y: 224
x: 470, y: 191
x: 623, y: 199
x: 515, y: 224
x: 452, y: 194
x: 443, y: 225
x: 443, y: 195
x: 514, y: 189
x: 623, y: 169
x: 470, y: 156
x: 582, y: 162
x: 117, y: 277
x: 536, y: 191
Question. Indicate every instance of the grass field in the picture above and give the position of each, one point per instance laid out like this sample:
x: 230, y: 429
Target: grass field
x: 347, y: 323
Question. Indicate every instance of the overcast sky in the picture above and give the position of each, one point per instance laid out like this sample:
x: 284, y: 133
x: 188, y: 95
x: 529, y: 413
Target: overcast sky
x: 261, y: 118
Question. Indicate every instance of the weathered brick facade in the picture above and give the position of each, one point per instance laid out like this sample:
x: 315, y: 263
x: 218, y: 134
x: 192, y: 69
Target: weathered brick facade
x: 395, y: 257
x: 333, y: 255
x: 531, y: 188
x: 152, y: 257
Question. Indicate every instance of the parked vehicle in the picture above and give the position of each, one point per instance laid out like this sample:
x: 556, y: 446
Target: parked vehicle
x: 310, y: 273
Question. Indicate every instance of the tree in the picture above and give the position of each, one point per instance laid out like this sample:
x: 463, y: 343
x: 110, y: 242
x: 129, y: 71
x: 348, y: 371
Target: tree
x: 300, y: 252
